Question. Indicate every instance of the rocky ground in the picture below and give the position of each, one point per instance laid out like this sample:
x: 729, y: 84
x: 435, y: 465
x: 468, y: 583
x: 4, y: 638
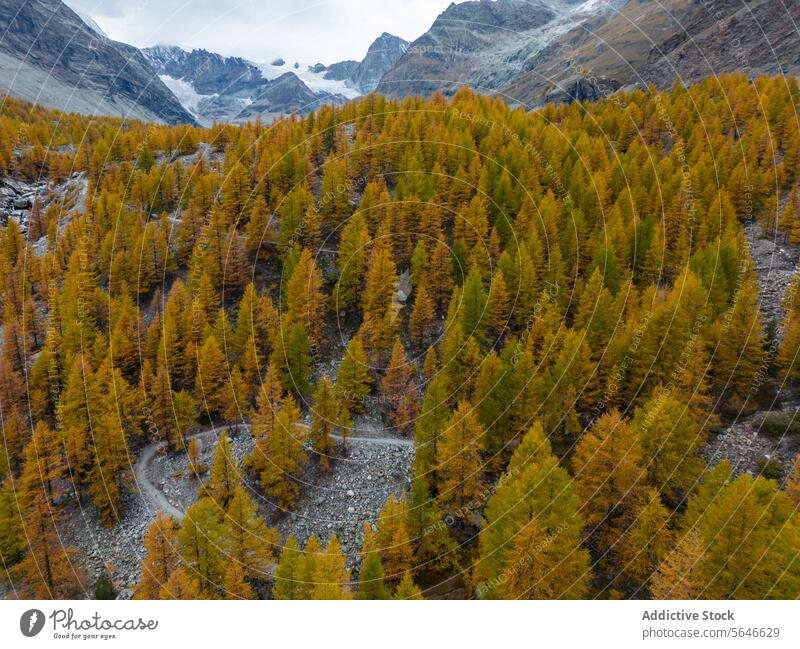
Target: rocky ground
x: 173, y: 475
x: 118, y: 549
x: 752, y: 442
x: 775, y: 264
x: 17, y: 197
x: 768, y: 438
x: 366, y: 472
x: 352, y: 492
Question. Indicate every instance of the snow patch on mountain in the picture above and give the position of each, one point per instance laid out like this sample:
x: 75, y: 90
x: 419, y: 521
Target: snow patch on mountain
x: 185, y: 92
x: 315, y: 81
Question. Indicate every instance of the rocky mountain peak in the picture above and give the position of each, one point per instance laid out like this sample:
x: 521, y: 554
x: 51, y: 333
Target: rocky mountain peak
x: 285, y: 94
x: 208, y: 72
x: 472, y: 43
x: 364, y: 75
x: 384, y: 52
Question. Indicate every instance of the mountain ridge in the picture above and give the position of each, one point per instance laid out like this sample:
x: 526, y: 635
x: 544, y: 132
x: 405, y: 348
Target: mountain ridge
x: 217, y: 87
x: 481, y: 43
x: 656, y: 42
x: 531, y: 53
x: 49, y: 55
x: 528, y: 52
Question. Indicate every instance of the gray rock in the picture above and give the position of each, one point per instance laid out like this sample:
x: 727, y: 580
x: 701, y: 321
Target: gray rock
x: 579, y: 88
x: 471, y: 43
x: 381, y: 56
x: 775, y: 263
x: 342, y: 71
x: 50, y: 56
x: 207, y: 72
x: 285, y: 94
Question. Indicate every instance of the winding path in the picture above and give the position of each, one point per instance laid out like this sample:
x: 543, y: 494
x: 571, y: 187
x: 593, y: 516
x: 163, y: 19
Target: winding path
x: 153, y: 494
x: 380, y: 441
x: 147, y: 489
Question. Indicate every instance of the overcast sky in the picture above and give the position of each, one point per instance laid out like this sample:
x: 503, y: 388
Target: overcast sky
x: 307, y: 31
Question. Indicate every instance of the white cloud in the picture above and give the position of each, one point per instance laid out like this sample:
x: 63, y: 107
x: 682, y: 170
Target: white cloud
x: 307, y: 31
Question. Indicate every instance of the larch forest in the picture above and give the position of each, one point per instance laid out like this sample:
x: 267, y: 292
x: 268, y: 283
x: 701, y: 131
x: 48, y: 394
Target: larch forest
x: 555, y: 312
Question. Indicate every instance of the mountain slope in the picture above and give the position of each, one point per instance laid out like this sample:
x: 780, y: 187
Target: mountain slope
x: 50, y: 56
x: 226, y: 88
x: 534, y: 51
x: 364, y: 75
x: 652, y: 42
x: 343, y: 70
x: 286, y: 94
x: 90, y: 23
x: 214, y: 87
x: 481, y: 44
x: 381, y: 56
x: 208, y: 73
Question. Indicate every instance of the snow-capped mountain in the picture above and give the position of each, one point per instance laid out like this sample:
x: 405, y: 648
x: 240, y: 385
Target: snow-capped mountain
x: 526, y: 51
x: 287, y: 93
x: 208, y: 73
x: 365, y: 75
x: 313, y: 76
x: 228, y: 88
